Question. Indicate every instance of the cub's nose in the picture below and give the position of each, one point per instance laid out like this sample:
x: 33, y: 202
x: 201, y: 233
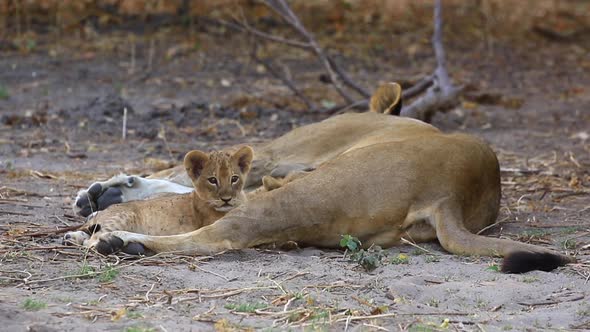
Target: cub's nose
x: 225, y: 199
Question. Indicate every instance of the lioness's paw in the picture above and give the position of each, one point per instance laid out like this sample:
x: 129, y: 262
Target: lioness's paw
x: 101, y: 195
x: 138, y: 249
x: 75, y: 238
x: 109, y: 244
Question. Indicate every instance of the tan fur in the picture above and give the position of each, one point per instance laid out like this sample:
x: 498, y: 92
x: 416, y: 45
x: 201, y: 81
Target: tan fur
x: 379, y: 177
x: 175, y: 214
x: 270, y: 183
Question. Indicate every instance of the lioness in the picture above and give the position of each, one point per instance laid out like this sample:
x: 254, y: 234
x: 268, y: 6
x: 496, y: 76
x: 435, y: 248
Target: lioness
x: 218, y: 179
x: 381, y: 178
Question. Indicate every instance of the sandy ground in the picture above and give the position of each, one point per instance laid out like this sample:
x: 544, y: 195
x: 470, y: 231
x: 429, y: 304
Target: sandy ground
x: 60, y: 129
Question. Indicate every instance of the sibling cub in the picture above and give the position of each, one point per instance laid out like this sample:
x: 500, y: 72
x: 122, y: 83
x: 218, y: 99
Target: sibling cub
x: 218, y: 178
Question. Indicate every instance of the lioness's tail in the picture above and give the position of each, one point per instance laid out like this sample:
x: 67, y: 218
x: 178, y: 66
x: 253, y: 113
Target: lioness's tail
x: 524, y: 261
x: 518, y: 257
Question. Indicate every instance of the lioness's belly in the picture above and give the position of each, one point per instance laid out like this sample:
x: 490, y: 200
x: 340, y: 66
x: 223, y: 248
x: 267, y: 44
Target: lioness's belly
x: 386, y: 233
x: 381, y: 193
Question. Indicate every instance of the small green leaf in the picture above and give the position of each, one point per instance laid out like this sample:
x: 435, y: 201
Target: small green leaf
x: 493, y: 268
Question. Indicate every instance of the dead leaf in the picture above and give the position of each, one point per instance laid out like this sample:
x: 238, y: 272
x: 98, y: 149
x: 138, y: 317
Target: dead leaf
x: 116, y: 315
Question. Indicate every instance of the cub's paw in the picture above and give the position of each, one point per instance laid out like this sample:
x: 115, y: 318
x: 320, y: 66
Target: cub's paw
x: 101, y: 195
x: 75, y: 238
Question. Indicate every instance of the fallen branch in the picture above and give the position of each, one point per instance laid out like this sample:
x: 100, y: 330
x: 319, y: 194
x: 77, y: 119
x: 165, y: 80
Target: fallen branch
x: 49, y: 232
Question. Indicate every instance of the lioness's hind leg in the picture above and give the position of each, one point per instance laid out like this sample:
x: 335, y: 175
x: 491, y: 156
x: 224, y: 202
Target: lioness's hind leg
x: 122, y: 188
x: 282, y: 170
x: 101, y: 195
x: 271, y: 183
x: 75, y: 238
x: 81, y: 236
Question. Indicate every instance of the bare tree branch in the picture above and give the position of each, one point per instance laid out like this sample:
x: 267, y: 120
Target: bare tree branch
x: 347, y: 80
x: 282, y: 9
x: 417, y: 88
x: 264, y: 35
x: 442, y: 94
x: 282, y: 78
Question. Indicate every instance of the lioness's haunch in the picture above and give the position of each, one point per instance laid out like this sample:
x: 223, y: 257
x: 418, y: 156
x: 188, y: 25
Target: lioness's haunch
x: 218, y: 178
x: 378, y: 177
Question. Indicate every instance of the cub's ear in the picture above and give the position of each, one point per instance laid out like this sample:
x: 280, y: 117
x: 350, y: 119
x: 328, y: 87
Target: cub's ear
x: 243, y: 158
x: 194, y: 162
x: 387, y: 99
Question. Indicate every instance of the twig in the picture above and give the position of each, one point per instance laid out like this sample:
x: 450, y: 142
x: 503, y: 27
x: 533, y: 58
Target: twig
x: 210, y: 272
x: 377, y: 327
x: 415, y: 245
x: 124, y: 133
x: 49, y: 232
x: 347, y: 80
x: 505, y: 220
x: 418, y: 88
x: 264, y: 35
x: 147, y: 294
x: 519, y: 170
x: 279, y: 286
x: 17, y: 213
x: 282, y: 8
x: 282, y: 78
x: 551, y: 302
x: 442, y: 94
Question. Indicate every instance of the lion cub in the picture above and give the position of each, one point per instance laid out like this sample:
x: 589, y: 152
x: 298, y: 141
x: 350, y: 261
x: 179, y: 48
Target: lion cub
x: 218, y: 178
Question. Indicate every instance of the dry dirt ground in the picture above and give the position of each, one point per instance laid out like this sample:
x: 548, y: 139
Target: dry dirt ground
x: 60, y: 128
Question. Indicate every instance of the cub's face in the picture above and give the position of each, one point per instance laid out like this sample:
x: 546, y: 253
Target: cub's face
x: 219, y: 177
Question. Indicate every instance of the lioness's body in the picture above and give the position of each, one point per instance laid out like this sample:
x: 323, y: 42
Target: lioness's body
x: 393, y: 182
x: 378, y: 177
x: 316, y: 143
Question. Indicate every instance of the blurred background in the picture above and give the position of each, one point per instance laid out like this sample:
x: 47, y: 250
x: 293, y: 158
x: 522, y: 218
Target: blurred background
x: 190, y: 75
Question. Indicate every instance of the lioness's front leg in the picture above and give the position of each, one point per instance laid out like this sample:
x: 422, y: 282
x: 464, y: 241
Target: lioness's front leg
x: 196, y: 242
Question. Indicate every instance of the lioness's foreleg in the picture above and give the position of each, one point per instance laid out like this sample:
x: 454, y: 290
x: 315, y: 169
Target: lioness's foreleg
x: 122, y: 188
x: 196, y: 242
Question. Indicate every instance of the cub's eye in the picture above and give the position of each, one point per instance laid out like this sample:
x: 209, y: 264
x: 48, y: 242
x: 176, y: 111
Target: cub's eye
x: 235, y: 179
x: 212, y: 180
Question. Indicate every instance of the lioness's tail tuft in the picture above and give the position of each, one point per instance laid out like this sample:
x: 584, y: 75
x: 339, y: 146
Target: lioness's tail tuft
x: 525, y: 261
